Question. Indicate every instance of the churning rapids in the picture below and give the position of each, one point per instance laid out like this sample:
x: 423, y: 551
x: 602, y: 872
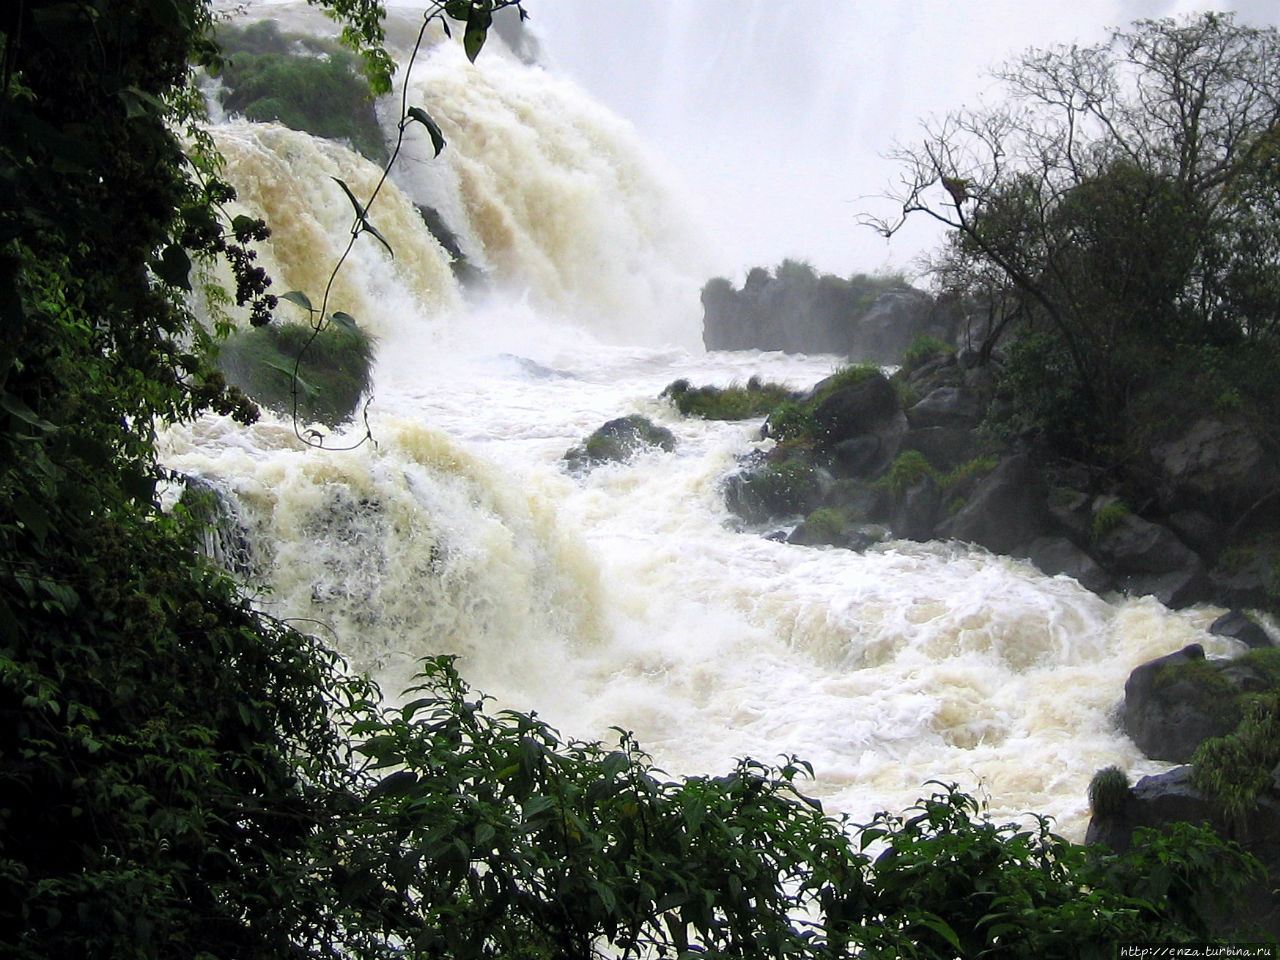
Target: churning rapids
x: 627, y: 596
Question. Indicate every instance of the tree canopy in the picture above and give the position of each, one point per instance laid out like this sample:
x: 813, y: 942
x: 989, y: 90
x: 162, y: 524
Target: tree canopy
x: 1117, y: 210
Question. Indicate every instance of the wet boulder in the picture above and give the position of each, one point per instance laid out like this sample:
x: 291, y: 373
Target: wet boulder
x: 1148, y: 558
x: 1059, y: 555
x: 1216, y: 465
x: 1240, y: 626
x: 1007, y: 510
x: 1174, y: 703
x: 946, y: 407
x: 617, y: 441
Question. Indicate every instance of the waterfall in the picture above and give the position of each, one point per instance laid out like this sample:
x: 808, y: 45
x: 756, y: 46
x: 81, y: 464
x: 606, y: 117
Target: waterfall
x: 626, y: 596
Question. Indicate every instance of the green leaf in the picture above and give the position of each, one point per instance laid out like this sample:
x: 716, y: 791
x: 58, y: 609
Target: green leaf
x: 344, y: 320
x: 174, y: 267
x: 394, y: 785
x: 437, y: 138
x: 484, y: 836
x: 360, y: 211
x: 24, y: 413
x: 33, y: 516
x: 478, y: 19
x: 942, y: 929
x: 614, y: 764
x: 300, y: 298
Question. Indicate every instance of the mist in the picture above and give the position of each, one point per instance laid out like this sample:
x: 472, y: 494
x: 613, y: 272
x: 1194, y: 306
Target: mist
x: 776, y: 116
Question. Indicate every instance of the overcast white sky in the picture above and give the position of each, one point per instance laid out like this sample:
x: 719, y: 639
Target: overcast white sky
x: 777, y: 113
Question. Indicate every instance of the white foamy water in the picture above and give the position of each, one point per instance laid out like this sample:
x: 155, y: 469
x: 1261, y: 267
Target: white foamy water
x: 627, y: 596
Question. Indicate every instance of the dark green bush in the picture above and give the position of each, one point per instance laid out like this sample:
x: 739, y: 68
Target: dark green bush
x: 333, y: 368
x: 1109, y: 792
x: 302, y: 82
x: 756, y: 399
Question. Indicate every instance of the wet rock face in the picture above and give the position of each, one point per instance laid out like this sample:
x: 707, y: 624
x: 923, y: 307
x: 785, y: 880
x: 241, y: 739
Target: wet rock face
x: 617, y: 441
x: 1008, y: 511
x: 1216, y: 465
x: 1172, y: 798
x: 1175, y: 703
x: 797, y: 311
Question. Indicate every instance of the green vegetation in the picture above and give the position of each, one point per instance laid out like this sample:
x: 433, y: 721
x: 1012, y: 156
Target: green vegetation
x: 1236, y: 769
x: 300, y: 81
x: 756, y: 399
x: 793, y: 421
x: 1109, y: 792
x: 183, y: 776
x: 1108, y: 517
x: 912, y: 466
x: 826, y: 524
x: 922, y: 350
x: 331, y: 368
x: 1128, y: 273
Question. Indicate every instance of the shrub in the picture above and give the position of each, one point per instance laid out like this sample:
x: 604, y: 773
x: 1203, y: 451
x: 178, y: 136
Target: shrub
x: 923, y: 349
x: 333, y: 368
x: 910, y: 467
x: 1109, y: 792
x: 756, y: 399
x: 1236, y: 769
x: 1108, y: 517
x: 302, y: 82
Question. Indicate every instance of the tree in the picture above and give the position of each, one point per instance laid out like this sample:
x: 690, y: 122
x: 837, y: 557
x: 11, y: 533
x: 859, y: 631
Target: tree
x: 1117, y: 210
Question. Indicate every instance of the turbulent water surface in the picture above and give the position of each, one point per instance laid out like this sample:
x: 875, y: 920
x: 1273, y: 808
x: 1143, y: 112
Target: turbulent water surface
x: 626, y: 596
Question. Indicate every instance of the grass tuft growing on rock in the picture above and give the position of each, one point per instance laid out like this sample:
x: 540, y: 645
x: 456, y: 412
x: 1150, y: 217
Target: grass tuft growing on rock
x: 756, y: 399
x: 1109, y: 792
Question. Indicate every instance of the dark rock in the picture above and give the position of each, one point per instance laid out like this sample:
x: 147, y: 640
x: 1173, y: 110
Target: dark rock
x: 1166, y: 798
x: 1150, y: 559
x: 1176, y: 589
x: 1252, y: 583
x: 1073, y: 512
x: 619, y: 440
x: 944, y: 447
x: 1174, y: 703
x: 859, y: 457
x: 866, y: 407
x: 1171, y: 797
x: 1240, y: 626
x: 1006, y: 512
x: 1197, y: 530
x: 1058, y: 555
x: 771, y: 491
x: 915, y: 513
x: 946, y: 407
x: 1216, y: 466
x: 860, y: 500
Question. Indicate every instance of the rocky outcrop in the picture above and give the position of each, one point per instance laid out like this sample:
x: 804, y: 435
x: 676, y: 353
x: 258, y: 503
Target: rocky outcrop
x: 938, y: 476
x: 1172, y: 797
x: 1007, y: 512
x: 1175, y: 703
x: 618, y: 440
x: 1216, y: 465
x: 796, y: 310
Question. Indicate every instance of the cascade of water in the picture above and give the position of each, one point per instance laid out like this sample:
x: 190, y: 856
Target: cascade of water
x: 626, y: 596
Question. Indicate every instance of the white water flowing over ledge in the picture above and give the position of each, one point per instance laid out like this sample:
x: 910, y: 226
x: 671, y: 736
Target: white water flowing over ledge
x: 627, y: 597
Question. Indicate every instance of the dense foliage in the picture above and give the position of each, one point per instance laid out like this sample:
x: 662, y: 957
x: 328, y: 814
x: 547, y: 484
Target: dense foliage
x: 181, y: 776
x: 298, y: 372
x: 1114, y: 220
x: 301, y: 82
